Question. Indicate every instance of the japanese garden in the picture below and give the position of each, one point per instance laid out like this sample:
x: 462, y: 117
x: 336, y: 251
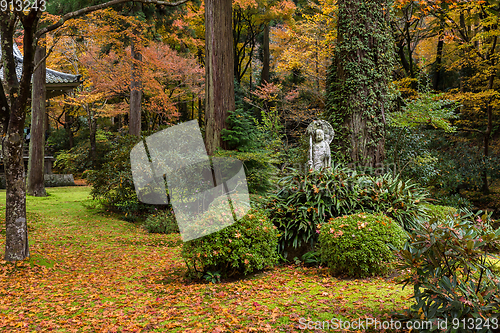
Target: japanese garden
x: 249, y: 166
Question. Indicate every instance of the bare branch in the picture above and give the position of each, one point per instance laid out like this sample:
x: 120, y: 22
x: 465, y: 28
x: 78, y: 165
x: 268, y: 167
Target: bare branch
x: 46, y: 55
x: 90, y: 9
x: 473, y: 130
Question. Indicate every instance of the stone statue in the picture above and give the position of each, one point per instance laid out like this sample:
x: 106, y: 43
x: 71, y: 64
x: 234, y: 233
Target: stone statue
x: 320, y: 135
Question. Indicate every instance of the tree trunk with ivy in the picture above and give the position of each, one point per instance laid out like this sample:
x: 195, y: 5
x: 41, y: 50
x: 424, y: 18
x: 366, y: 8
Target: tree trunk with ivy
x: 358, y: 82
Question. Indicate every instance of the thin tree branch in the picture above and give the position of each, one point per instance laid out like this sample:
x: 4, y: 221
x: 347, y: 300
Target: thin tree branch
x: 473, y: 130
x: 49, y: 52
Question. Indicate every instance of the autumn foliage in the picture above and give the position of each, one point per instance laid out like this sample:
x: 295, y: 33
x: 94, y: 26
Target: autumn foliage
x: 101, y: 52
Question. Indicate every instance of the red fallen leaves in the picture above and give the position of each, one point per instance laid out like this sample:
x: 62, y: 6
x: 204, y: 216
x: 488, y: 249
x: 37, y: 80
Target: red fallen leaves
x: 109, y: 277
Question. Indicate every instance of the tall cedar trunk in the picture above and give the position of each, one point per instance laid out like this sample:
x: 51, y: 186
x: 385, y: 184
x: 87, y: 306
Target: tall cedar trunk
x: 358, y: 95
x: 35, y: 179
x: 92, y: 119
x: 489, y: 112
x: 68, y: 121
x: 264, y: 75
x: 219, y: 70
x: 135, y: 92
x: 439, y: 57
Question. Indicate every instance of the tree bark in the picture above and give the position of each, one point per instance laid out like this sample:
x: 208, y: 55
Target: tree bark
x: 264, y: 75
x: 68, y: 121
x: 219, y: 70
x: 439, y: 57
x: 135, y: 92
x: 16, y: 228
x: 35, y: 179
x: 92, y: 119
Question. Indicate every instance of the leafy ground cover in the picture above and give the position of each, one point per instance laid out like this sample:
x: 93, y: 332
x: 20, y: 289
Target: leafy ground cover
x: 92, y: 272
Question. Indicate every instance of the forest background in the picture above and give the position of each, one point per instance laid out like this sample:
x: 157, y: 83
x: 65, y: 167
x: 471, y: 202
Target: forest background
x: 441, y: 131
x: 410, y: 88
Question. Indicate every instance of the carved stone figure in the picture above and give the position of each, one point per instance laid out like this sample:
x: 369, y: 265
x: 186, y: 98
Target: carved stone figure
x: 320, y: 135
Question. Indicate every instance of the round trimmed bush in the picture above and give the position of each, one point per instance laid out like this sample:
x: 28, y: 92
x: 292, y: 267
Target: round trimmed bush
x: 440, y: 213
x: 357, y: 245
x: 161, y: 222
x: 246, y: 246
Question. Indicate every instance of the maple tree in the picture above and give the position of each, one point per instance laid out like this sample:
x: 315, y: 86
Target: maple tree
x: 302, y: 49
x: 251, y: 18
x: 166, y: 77
x: 305, y: 46
x: 477, y: 64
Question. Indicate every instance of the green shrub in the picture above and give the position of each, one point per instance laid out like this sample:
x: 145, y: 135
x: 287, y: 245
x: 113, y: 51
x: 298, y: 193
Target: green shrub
x: 77, y: 159
x: 440, y: 212
x: 112, y: 184
x: 241, y: 133
x: 246, y: 246
x: 161, y: 222
x: 399, y: 199
x: 247, y: 143
x: 306, y: 199
x: 452, y: 274
x: 357, y: 245
x: 259, y: 170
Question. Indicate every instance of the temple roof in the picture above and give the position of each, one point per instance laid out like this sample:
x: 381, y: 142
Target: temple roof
x: 57, y: 82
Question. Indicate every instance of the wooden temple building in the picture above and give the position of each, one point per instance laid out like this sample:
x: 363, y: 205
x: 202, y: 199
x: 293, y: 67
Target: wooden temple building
x: 57, y: 83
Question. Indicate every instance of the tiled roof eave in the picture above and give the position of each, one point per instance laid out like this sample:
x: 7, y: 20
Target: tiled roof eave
x: 53, y: 77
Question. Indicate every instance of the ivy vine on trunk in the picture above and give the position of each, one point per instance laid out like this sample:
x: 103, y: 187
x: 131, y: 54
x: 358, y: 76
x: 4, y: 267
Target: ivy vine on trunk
x: 359, y: 95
